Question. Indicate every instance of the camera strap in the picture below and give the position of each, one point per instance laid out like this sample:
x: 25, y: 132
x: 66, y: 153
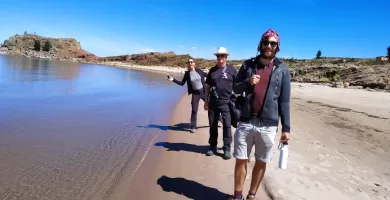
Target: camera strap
x: 220, y: 77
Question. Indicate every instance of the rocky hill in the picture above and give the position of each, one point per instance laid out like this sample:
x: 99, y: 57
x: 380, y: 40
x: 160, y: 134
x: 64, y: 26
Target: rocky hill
x: 339, y: 72
x: 60, y: 48
x: 163, y: 59
x: 342, y: 72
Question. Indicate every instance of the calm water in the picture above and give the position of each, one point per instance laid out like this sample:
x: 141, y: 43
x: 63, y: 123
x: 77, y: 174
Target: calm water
x: 70, y: 131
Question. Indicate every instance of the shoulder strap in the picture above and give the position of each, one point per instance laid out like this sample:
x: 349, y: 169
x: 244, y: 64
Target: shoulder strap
x: 253, y: 67
x: 220, y: 77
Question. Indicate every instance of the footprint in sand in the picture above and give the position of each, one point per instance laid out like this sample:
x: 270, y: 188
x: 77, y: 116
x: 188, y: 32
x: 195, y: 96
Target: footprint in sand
x: 207, y: 165
x: 353, y: 181
x: 317, y: 145
x: 301, y: 182
x: 333, y: 157
x: 325, y: 163
x: 304, y: 169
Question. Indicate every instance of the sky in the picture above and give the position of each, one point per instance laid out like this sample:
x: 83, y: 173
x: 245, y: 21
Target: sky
x: 345, y: 28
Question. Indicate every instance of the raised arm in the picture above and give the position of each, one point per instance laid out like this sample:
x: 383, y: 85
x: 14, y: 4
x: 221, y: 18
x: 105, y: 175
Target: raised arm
x: 182, y: 82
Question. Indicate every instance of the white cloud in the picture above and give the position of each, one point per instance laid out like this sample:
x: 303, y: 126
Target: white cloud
x: 193, y: 48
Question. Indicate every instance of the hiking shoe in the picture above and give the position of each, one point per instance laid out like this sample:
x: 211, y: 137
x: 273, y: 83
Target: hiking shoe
x: 251, y: 197
x: 192, y: 130
x: 212, y: 151
x: 227, y: 155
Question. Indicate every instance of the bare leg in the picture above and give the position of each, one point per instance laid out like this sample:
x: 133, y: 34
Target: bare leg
x: 240, y: 174
x: 257, y: 176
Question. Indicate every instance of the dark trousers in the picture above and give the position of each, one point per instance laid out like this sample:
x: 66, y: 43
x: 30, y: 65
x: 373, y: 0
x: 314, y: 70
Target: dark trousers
x: 196, y: 97
x: 217, y: 108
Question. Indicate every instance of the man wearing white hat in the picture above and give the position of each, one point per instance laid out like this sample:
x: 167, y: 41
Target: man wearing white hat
x: 218, y: 91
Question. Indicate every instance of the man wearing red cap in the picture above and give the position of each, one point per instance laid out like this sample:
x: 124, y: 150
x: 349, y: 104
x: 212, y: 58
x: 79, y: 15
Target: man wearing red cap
x: 264, y: 83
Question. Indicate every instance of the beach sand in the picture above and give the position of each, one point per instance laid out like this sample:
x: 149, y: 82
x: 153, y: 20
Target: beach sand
x: 160, y: 69
x: 176, y: 167
x: 338, y: 150
x: 340, y: 146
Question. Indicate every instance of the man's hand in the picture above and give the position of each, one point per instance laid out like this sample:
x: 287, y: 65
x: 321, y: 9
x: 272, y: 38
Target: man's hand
x: 170, y: 78
x: 254, y: 79
x: 206, y: 106
x: 285, y: 137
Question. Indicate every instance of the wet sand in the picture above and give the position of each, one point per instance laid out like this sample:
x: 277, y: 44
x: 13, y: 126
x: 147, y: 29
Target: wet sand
x: 177, y: 167
x: 339, y: 150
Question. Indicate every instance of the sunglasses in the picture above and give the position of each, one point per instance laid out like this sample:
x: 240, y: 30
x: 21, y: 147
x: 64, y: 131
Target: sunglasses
x: 266, y: 43
x: 190, y: 62
x: 220, y: 55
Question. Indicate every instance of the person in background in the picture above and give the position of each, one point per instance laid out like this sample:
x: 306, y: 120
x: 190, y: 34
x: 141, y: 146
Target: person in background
x: 265, y: 80
x: 219, y: 86
x: 194, y: 77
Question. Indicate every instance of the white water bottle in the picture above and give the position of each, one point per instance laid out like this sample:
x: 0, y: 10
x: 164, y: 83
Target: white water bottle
x: 283, y: 155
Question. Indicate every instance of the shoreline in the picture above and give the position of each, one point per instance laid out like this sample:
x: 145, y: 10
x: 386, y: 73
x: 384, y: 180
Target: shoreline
x: 180, y: 70
x: 177, y: 167
x: 160, y: 69
x: 339, y: 150
x: 331, y: 128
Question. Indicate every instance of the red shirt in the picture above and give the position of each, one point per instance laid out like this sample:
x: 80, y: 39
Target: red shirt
x: 260, y: 88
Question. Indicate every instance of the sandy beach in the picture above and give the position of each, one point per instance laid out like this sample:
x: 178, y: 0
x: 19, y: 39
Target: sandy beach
x: 160, y: 69
x: 177, y: 167
x: 339, y: 147
x: 339, y: 150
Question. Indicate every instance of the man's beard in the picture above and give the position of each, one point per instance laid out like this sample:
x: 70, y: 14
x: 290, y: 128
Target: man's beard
x: 262, y: 54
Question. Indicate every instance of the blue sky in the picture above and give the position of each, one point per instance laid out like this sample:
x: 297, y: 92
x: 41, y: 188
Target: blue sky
x: 345, y: 28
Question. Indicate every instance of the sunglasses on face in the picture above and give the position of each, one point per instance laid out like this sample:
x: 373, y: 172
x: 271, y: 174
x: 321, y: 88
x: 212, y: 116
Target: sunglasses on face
x: 220, y: 56
x: 266, y: 43
x: 190, y: 62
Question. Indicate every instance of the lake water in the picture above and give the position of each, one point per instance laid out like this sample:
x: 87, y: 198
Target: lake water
x: 70, y: 131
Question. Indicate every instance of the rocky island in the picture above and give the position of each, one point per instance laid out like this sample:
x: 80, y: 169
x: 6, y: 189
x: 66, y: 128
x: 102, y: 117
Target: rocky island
x: 35, y: 46
x: 337, y: 72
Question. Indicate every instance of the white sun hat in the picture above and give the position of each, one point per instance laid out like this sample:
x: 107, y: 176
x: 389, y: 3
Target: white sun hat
x: 222, y: 50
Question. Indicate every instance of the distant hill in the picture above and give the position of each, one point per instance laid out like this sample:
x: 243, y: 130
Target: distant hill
x: 60, y: 48
x: 164, y: 59
x: 340, y: 72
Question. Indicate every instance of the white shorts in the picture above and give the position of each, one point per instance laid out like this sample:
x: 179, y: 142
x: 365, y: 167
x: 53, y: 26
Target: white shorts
x: 253, y: 133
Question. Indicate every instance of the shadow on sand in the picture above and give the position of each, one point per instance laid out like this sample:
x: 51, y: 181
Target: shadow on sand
x: 176, y: 127
x: 201, y: 149
x: 190, y: 189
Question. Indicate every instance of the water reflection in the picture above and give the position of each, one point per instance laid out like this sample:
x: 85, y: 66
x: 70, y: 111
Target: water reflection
x: 35, y: 81
x: 37, y: 70
x: 68, y: 121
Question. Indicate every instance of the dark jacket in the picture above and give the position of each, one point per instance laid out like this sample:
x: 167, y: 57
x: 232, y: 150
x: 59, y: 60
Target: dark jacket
x: 187, y: 78
x: 277, y: 100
